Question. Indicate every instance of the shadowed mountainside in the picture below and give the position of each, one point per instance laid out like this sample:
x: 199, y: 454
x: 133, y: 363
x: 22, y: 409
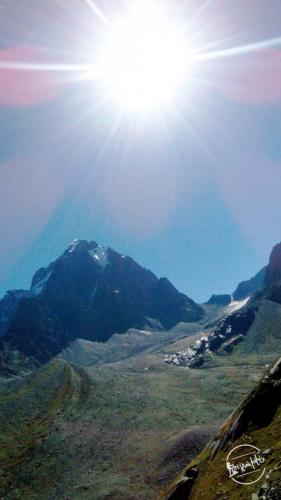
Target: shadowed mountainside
x: 90, y: 292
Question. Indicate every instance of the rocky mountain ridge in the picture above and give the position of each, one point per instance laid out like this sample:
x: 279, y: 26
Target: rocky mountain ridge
x: 240, y: 315
x: 90, y: 292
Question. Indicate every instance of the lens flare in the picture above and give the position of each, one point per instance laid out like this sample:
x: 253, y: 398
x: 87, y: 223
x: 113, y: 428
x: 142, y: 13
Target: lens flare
x: 143, y: 60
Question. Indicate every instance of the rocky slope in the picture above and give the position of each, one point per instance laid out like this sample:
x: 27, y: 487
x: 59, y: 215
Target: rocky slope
x: 249, y: 287
x: 90, y: 292
x: 249, y: 335
x: 249, y: 327
x: 256, y: 422
x: 117, y: 431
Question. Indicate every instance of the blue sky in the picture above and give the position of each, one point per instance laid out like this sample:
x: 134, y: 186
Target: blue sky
x: 192, y: 194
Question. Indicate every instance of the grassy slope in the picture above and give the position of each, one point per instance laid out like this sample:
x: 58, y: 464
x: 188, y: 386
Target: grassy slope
x: 213, y: 481
x: 117, y: 431
x: 123, y: 430
x: 27, y: 414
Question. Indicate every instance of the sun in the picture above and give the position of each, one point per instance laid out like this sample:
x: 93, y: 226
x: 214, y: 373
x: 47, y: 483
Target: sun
x: 143, y: 60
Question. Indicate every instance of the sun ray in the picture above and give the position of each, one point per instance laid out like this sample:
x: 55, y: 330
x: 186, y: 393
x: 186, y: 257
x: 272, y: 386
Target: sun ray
x: 241, y: 49
x: 28, y: 66
x: 97, y: 10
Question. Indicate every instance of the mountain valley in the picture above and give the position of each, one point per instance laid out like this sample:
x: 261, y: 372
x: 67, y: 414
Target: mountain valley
x: 117, y: 413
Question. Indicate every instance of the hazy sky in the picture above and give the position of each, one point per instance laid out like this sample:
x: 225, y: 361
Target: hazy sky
x: 193, y: 192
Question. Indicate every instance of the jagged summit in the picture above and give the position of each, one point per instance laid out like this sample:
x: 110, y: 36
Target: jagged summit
x: 273, y: 271
x: 91, y: 292
x: 85, y: 246
x: 251, y: 286
x: 78, y: 250
x: 220, y: 300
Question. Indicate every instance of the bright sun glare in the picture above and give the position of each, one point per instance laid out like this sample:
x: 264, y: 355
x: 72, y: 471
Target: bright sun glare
x: 143, y: 59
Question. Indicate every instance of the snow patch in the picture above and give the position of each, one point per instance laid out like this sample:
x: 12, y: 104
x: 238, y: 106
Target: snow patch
x: 235, y: 305
x: 100, y: 255
x: 73, y: 245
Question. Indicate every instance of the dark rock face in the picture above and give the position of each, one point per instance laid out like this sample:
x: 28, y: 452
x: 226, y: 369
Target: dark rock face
x: 197, y: 362
x: 34, y: 331
x: 273, y: 271
x: 230, y: 331
x: 267, y: 276
x: 221, y: 300
x: 183, y: 488
x: 273, y: 275
x: 274, y: 294
x: 256, y: 411
x: 91, y: 292
x: 229, y: 344
x: 249, y: 287
x: 235, y: 326
x: 8, y: 307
